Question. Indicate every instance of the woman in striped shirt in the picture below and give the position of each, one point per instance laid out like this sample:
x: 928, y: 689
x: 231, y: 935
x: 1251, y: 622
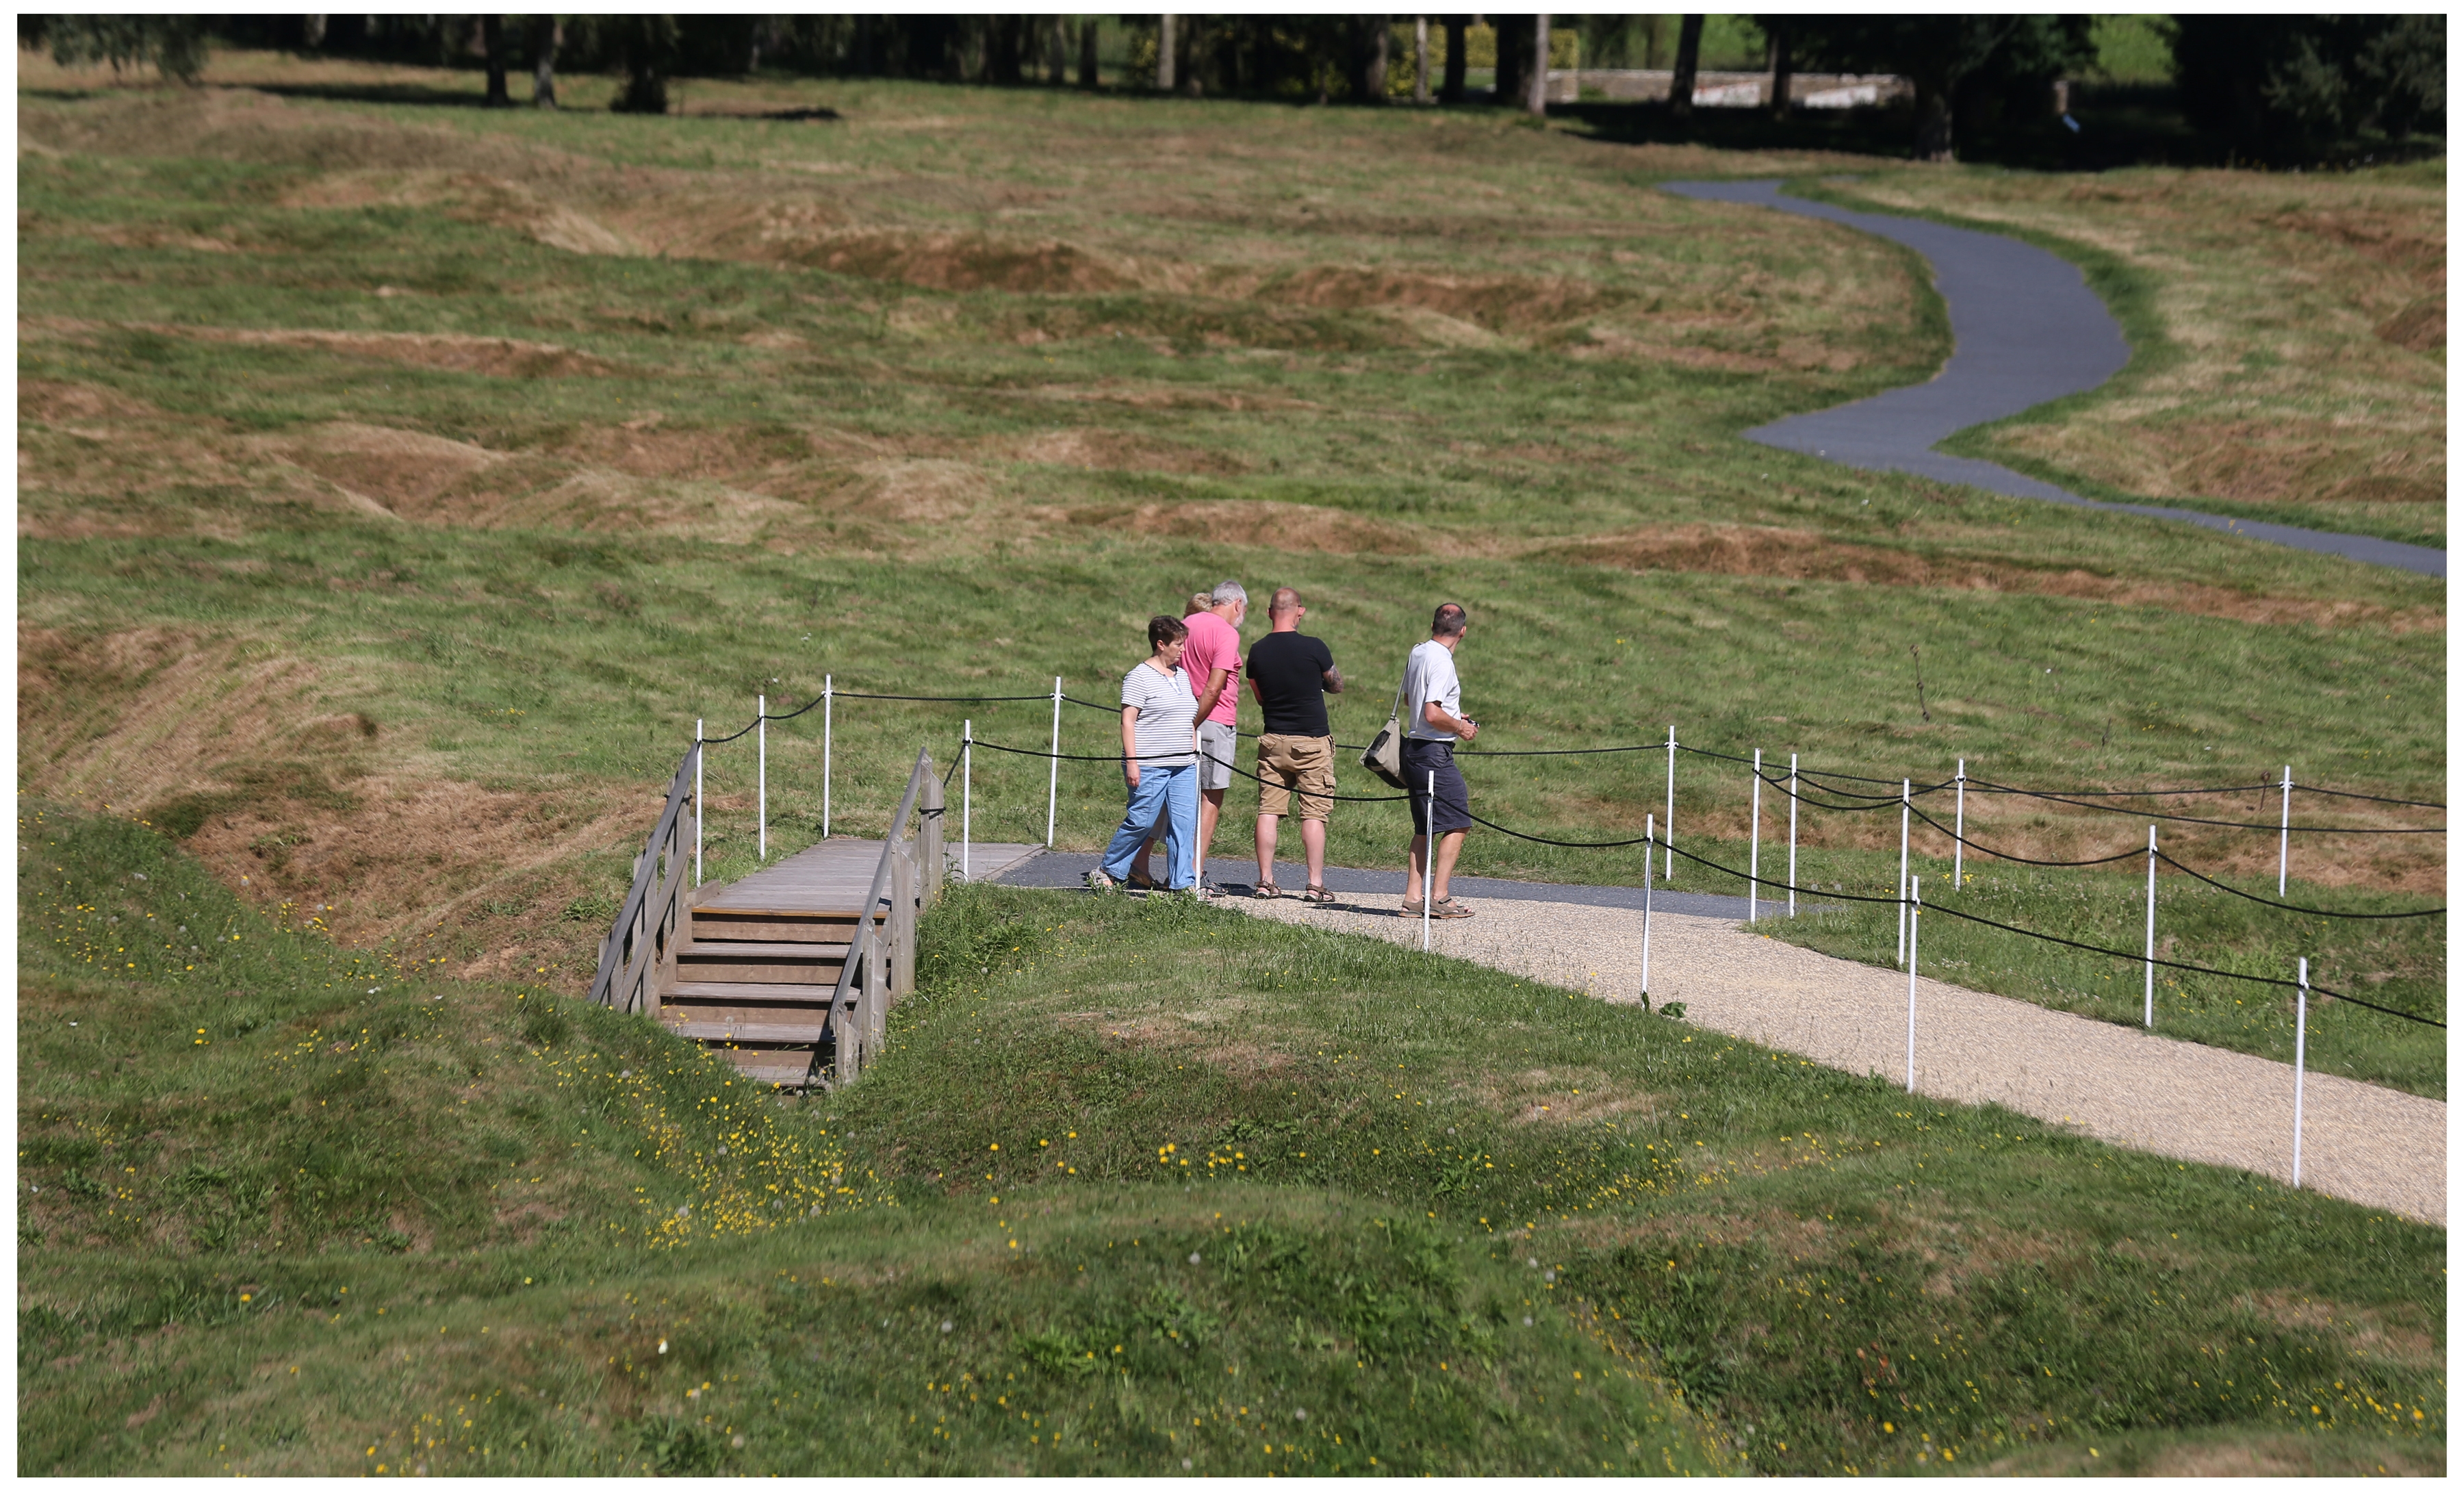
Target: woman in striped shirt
x: 1159, y: 759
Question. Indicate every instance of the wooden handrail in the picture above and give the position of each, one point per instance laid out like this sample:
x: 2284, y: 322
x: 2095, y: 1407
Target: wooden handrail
x: 621, y: 963
x: 859, y: 943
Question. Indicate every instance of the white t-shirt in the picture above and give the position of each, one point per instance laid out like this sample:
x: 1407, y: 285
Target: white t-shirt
x: 1429, y: 674
x: 1167, y: 716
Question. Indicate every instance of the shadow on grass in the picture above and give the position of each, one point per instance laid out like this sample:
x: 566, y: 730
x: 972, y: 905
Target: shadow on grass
x: 432, y: 95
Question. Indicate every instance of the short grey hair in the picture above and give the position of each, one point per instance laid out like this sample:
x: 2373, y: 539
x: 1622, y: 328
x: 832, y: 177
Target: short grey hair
x: 1230, y: 591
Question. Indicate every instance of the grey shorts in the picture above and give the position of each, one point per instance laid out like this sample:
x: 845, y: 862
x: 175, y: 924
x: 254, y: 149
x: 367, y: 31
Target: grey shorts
x: 1217, y: 743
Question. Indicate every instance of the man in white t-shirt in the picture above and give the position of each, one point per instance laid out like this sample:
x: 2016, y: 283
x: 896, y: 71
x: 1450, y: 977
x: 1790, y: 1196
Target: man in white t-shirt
x: 1433, y: 721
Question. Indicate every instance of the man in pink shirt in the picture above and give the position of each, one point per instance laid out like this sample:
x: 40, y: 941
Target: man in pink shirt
x: 1213, y: 662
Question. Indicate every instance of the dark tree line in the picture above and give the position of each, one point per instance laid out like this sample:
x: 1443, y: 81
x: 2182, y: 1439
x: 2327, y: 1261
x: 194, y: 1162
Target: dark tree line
x: 2260, y: 87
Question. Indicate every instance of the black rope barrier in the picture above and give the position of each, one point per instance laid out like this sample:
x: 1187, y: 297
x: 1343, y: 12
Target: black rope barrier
x: 2369, y: 798
x: 2005, y: 855
x: 2068, y: 943
x: 1981, y: 786
x: 2287, y: 905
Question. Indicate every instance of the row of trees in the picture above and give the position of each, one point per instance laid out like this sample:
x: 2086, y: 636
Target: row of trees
x: 2267, y: 87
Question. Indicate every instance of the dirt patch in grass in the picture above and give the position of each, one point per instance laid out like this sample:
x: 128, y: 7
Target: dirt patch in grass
x: 412, y: 853
x: 2420, y: 327
x: 468, y: 197
x: 76, y: 408
x: 962, y: 262
x: 2265, y: 461
x: 1491, y: 302
x: 495, y: 357
x: 1112, y: 451
x: 1242, y: 521
x: 1805, y: 555
x: 2362, y: 1330
x: 396, y: 470
x: 136, y: 717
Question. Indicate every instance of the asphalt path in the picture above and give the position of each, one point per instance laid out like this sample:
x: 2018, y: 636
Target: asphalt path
x: 2025, y: 329
x: 1238, y: 877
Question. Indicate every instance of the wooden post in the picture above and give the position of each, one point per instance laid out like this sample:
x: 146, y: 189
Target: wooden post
x: 903, y: 877
x: 936, y: 868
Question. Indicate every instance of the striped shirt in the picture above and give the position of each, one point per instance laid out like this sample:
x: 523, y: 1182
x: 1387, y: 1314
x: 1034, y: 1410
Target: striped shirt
x: 1167, y: 721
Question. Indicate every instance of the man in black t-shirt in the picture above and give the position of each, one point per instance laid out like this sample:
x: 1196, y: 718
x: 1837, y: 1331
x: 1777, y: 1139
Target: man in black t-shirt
x: 1290, y: 673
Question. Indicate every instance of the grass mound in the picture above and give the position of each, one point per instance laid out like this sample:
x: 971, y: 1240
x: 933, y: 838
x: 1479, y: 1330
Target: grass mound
x: 1137, y: 1188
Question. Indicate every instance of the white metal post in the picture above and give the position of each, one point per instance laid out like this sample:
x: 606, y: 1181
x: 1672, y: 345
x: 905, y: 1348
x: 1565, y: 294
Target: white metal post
x: 1669, y: 866
x: 826, y: 704
x: 1052, y: 779
x: 2300, y: 1056
x: 1914, y: 902
x: 1647, y: 839
x: 761, y: 774
x: 1429, y: 862
x: 1792, y: 833
x: 696, y: 800
x: 967, y: 802
x: 1754, y: 846
x: 2151, y: 926
x: 1903, y: 871
x: 2285, y: 832
x: 1959, y: 831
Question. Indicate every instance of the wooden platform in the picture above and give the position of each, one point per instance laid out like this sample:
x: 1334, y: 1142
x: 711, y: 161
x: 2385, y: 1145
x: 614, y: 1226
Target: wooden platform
x: 833, y: 875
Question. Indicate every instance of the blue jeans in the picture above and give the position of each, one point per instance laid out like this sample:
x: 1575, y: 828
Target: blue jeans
x: 1165, y: 795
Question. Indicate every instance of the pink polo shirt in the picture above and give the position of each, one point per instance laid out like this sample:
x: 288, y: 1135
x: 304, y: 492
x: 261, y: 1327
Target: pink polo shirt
x: 1214, y: 643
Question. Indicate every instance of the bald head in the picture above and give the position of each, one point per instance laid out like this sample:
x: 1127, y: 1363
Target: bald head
x: 1286, y: 600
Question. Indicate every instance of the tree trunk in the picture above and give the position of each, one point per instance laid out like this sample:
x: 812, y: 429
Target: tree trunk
x: 1369, y: 44
x: 312, y: 33
x: 1419, y: 59
x: 492, y: 39
x: 1690, y: 58
x: 1453, y: 91
x: 1056, y: 51
x: 1510, y: 84
x: 544, y: 31
x: 1538, y: 101
x: 1192, y: 66
x: 1783, y: 71
x: 1163, y: 53
x: 1933, y: 123
x: 1089, y: 73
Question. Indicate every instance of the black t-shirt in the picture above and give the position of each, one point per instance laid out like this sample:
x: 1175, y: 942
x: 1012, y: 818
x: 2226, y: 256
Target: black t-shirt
x: 1288, y: 670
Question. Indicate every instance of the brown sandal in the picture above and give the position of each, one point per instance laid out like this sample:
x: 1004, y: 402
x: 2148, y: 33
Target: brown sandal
x: 1266, y: 891
x: 1316, y: 895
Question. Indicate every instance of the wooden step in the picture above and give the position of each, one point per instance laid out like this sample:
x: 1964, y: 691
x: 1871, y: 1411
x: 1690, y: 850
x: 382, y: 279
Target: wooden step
x: 787, y: 1069
x: 765, y: 925
x: 769, y: 1033
x: 747, y: 1001
x: 789, y: 963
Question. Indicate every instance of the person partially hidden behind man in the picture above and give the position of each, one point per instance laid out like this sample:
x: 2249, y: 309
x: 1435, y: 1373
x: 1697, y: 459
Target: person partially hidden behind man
x: 1290, y: 673
x: 1435, y: 721
x: 1212, y: 663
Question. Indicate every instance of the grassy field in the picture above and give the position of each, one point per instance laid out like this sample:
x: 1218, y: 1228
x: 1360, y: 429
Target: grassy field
x: 398, y: 481
x: 1138, y: 1189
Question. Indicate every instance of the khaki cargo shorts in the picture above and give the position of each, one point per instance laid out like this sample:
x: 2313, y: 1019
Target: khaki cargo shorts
x: 1302, y: 764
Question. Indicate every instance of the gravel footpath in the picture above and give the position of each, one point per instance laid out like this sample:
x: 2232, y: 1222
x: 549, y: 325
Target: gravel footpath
x: 2362, y: 1142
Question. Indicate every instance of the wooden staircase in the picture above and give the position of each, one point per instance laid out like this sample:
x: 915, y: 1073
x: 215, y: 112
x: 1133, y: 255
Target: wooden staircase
x: 758, y: 984
x: 792, y: 971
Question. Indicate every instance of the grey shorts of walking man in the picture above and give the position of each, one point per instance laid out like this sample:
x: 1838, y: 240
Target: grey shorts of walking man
x: 1434, y: 722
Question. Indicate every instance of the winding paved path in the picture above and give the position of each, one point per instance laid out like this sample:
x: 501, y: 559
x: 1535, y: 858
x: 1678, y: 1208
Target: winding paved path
x: 2026, y: 329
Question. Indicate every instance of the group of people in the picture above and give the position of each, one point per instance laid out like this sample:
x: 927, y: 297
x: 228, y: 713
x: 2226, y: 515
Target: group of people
x: 1181, y: 739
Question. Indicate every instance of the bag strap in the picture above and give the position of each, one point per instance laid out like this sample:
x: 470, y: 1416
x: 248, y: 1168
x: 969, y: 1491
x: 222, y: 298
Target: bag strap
x: 1395, y: 712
